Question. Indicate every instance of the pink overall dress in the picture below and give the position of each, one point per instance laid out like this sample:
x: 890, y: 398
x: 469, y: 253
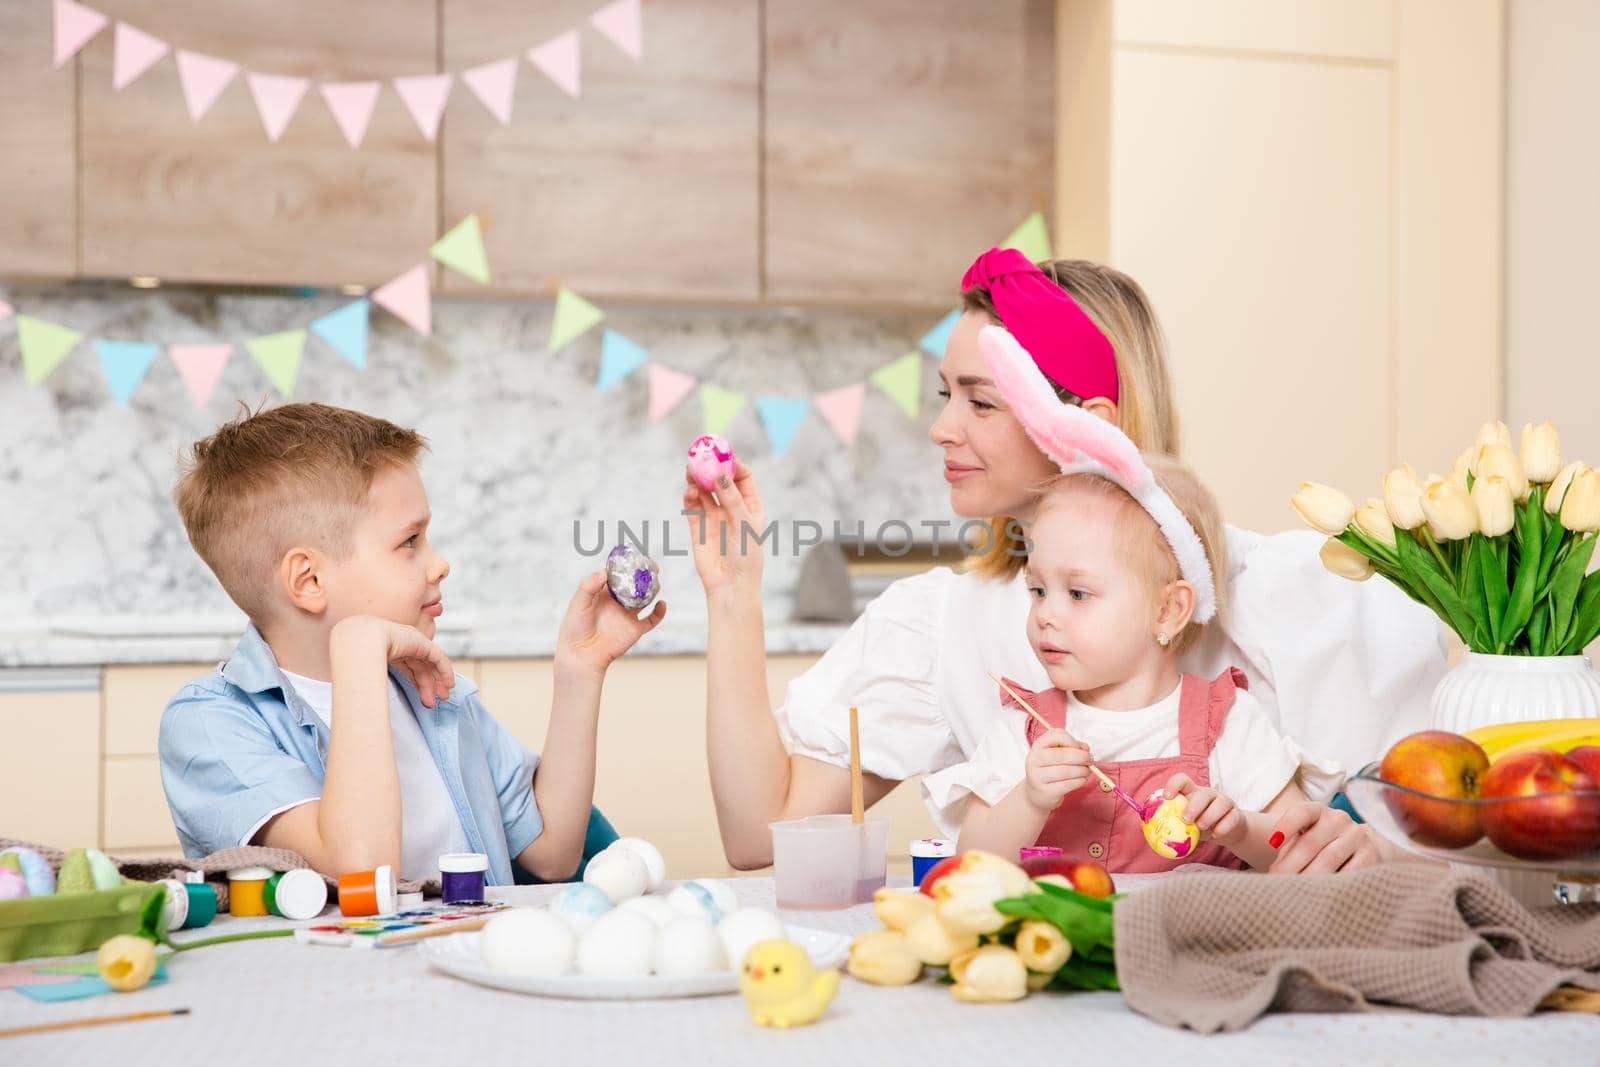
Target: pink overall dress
x: 1094, y: 822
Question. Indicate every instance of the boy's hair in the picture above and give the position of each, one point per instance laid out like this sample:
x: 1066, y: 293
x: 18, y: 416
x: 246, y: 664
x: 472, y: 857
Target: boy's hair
x: 274, y: 478
x: 1145, y: 412
x: 1139, y: 542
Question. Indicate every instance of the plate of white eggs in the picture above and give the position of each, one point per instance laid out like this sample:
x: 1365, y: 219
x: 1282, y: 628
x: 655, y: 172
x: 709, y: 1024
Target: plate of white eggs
x: 621, y: 935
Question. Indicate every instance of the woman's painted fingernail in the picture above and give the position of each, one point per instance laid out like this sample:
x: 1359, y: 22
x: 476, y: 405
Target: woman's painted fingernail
x: 722, y: 481
x: 1276, y: 839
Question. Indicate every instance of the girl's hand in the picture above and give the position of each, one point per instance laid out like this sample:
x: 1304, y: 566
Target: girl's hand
x: 1312, y: 838
x: 1057, y: 764
x: 723, y: 529
x: 598, y: 630
x: 1217, y: 816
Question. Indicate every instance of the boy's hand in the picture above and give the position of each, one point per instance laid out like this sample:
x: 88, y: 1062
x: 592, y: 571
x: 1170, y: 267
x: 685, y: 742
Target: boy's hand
x: 1057, y: 764
x: 1217, y: 816
x: 725, y: 555
x: 598, y: 630
x: 404, y: 646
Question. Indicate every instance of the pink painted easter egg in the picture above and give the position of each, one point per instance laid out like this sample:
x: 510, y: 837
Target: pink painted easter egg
x: 11, y: 884
x: 710, y: 457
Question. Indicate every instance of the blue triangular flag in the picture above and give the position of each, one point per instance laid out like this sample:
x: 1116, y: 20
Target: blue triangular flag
x: 345, y: 330
x: 934, y: 341
x: 125, y: 364
x: 782, y: 417
x: 619, y: 357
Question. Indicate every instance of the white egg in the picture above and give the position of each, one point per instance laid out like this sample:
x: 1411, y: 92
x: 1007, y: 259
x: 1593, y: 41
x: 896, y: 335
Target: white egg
x: 579, y: 905
x: 529, y: 942
x: 707, y: 898
x: 620, y: 944
x: 689, y: 945
x: 619, y: 874
x: 653, y: 860
x: 653, y: 907
x: 744, y: 928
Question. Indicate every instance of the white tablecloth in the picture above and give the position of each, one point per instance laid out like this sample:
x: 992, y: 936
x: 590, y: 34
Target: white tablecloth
x: 282, y: 1003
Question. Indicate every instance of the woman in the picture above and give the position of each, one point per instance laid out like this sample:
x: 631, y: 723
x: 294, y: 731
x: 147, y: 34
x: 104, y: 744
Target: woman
x: 1342, y: 668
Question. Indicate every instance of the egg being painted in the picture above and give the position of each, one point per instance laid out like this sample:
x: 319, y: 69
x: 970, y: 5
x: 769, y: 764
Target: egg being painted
x: 1164, y: 829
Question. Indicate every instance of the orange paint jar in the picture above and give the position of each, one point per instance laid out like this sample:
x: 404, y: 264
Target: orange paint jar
x: 369, y: 893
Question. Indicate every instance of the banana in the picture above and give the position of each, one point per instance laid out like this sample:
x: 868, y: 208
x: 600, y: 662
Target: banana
x: 1558, y: 735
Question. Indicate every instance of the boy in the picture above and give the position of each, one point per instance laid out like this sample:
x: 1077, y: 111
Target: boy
x: 338, y: 729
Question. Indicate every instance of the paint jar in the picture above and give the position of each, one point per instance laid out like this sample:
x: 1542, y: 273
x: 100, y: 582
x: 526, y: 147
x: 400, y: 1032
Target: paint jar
x: 827, y: 861
x: 190, y: 905
x: 461, y: 874
x: 1026, y: 854
x: 300, y: 894
x: 245, y: 888
x: 409, y: 902
x: 369, y: 893
x: 927, y: 852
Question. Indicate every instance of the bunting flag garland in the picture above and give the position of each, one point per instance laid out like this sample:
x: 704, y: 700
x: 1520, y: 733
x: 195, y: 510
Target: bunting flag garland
x: 619, y: 357
x: 1031, y: 238
x: 44, y: 345
x: 934, y: 341
x: 574, y: 316
x: 718, y: 406
x: 203, y: 78
x: 901, y: 381
x: 667, y: 390
x: 841, y: 408
x: 781, y: 416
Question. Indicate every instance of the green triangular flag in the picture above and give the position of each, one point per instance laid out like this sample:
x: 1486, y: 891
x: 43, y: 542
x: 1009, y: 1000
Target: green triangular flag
x: 44, y: 345
x: 901, y: 381
x: 1032, y: 238
x: 718, y: 406
x: 573, y: 316
x: 462, y: 250
x: 279, y: 355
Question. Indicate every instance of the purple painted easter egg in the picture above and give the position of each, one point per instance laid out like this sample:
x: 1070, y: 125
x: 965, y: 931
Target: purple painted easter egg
x: 710, y: 457
x: 632, y: 578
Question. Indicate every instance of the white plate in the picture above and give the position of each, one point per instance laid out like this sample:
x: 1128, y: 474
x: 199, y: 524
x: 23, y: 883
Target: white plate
x: 458, y: 955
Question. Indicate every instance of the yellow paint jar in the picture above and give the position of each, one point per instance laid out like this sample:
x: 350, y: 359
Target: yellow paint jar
x: 247, y: 891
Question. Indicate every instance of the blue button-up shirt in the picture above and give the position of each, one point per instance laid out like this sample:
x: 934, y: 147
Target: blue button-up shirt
x: 240, y: 744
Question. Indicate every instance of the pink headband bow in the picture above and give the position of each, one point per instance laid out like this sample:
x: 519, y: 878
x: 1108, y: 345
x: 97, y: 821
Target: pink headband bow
x: 1066, y: 344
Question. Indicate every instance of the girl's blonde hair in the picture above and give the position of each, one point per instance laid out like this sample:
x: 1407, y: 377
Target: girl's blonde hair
x: 1119, y: 307
x: 1140, y: 544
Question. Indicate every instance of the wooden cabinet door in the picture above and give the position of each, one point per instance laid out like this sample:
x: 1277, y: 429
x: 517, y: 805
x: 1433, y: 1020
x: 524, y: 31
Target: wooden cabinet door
x: 903, y: 137
x: 38, y: 184
x: 214, y: 200
x: 645, y: 185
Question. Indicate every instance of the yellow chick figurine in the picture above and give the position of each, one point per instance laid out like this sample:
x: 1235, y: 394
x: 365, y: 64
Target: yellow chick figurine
x: 782, y: 988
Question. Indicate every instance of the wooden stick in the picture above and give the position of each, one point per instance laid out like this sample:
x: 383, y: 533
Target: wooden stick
x: 400, y: 937
x: 857, y: 808
x: 101, y: 1020
x: 1098, y: 773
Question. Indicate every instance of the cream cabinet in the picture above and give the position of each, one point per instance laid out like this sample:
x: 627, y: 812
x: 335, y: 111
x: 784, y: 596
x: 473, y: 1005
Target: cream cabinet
x: 50, y: 782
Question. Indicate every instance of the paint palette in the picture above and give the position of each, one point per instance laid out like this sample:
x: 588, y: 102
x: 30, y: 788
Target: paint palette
x: 387, y: 931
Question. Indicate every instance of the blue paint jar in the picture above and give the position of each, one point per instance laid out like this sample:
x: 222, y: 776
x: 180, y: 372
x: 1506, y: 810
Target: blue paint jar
x: 927, y: 852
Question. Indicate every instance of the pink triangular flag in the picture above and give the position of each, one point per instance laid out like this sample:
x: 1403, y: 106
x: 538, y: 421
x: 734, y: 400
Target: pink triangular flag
x: 619, y: 23
x: 276, y: 99
x: 424, y: 95
x: 74, y: 25
x: 494, y: 84
x: 351, y: 104
x: 201, y: 368
x: 203, y: 79
x: 842, y: 409
x: 407, y: 298
x: 558, y: 58
x: 667, y: 390
x: 133, y: 53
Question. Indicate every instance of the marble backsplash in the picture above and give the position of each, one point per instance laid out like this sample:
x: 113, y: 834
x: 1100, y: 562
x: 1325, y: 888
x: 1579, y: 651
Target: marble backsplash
x: 523, y: 448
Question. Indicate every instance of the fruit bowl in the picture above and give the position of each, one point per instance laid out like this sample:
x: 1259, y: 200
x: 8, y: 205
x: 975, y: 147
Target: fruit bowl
x: 1381, y: 805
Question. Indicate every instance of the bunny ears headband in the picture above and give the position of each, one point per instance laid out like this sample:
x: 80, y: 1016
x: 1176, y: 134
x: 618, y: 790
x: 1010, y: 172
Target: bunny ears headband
x: 1083, y: 443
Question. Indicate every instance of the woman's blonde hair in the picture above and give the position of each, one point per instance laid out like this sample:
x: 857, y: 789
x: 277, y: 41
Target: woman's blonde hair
x: 1116, y: 304
x: 1140, y: 545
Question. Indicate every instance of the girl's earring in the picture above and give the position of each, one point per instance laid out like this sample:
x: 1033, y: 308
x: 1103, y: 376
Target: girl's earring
x: 1163, y: 639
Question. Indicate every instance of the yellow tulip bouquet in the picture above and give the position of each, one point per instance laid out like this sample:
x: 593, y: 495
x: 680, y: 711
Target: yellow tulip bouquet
x: 1499, y: 548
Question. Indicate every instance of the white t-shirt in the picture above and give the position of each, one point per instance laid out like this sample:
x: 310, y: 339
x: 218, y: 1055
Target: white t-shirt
x: 1250, y: 762
x: 429, y: 824
x: 1343, y: 668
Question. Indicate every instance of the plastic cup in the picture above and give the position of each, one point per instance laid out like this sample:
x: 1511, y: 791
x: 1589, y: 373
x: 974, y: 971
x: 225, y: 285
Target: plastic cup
x: 826, y: 861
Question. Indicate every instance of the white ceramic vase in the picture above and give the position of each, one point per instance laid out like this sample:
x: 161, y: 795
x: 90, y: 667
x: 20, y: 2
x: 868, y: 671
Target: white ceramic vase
x: 1483, y: 690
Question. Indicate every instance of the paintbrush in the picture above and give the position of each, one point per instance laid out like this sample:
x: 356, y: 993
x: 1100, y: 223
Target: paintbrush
x: 1098, y: 773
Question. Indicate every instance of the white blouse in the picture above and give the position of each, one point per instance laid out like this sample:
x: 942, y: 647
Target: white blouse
x: 1343, y: 668
x: 1251, y: 762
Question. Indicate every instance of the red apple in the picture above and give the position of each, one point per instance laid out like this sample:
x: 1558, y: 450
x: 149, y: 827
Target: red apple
x: 1587, y: 757
x: 1441, y: 765
x: 1089, y: 879
x: 948, y: 865
x: 1538, y: 810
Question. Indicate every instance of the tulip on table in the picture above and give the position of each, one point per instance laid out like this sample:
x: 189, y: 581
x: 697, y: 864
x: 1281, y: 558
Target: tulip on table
x: 1499, y: 549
